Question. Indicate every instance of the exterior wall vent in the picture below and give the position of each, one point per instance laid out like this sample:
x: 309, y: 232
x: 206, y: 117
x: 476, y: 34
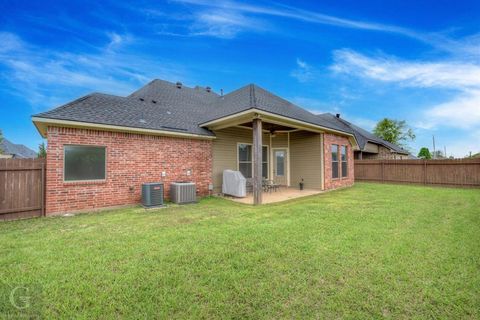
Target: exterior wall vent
x: 183, y: 192
x: 152, y: 194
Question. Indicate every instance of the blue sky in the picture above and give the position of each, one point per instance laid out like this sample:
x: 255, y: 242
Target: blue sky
x: 417, y: 61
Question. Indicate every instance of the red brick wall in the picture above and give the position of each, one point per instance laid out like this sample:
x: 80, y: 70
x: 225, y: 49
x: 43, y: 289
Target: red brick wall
x: 132, y: 159
x: 330, y: 183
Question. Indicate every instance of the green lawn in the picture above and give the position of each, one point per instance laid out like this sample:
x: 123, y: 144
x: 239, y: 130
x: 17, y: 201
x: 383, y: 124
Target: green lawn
x: 370, y: 251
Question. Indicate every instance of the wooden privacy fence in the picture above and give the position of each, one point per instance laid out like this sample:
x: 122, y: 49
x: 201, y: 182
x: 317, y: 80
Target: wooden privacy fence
x: 22, y: 188
x: 464, y: 172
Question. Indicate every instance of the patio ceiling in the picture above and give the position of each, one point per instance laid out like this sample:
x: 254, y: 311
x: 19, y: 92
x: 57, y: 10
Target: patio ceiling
x: 271, y: 127
x: 270, y: 119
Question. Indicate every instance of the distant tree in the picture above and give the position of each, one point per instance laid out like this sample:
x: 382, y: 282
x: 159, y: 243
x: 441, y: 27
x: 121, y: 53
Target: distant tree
x: 424, y: 153
x: 42, y: 151
x: 394, y: 131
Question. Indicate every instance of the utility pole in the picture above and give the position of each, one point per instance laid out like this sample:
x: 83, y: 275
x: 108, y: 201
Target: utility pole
x: 433, y: 138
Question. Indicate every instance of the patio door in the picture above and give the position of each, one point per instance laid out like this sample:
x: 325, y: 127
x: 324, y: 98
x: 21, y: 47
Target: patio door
x: 280, y: 166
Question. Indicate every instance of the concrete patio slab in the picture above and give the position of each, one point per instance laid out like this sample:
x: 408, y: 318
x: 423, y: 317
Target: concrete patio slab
x: 282, y: 194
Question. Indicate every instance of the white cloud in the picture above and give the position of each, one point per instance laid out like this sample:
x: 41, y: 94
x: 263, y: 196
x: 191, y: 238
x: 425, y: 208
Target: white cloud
x: 469, y: 45
x: 295, y: 13
x: 117, y: 40
x: 222, y: 23
x: 446, y: 74
x: 9, y: 42
x: 303, y: 72
x: 461, y: 112
x: 47, y: 77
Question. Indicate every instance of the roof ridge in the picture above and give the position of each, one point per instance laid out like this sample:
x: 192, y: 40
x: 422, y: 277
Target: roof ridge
x: 253, y: 98
x: 194, y: 90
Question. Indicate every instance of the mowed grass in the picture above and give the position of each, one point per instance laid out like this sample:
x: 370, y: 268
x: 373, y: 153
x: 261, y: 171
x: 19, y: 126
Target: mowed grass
x: 371, y: 251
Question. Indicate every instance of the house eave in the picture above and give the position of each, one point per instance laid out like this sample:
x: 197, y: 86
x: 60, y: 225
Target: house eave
x: 43, y: 123
x: 384, y: 145
x: 237, y: 118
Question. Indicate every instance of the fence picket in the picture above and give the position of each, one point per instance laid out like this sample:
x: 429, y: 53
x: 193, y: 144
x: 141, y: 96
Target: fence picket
x: 22, y: 188
x: 464, y: 172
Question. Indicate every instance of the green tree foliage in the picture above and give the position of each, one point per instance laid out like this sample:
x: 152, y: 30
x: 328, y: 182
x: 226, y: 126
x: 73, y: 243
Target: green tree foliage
x: 424, y: 153
x: 42, y: 151
x: 394, y: 131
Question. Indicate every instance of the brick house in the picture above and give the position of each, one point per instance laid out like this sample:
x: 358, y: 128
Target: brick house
x: 101, y: 148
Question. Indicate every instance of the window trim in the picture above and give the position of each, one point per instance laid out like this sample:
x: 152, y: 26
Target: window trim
x: 274, y: 161
x: 89, y: 180
x: 268, y: 158
x: 341, y: 161
x: 337, y: 161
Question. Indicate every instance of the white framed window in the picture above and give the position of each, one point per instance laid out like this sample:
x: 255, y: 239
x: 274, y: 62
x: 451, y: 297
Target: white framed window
x: 244, y: 159
x: 343, y: 156
x: 84, y: 163
x: 335, y: 161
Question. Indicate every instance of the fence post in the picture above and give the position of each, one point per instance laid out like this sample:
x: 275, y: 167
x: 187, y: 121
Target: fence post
x: 383, y: 171
x: 44, y: 185
x: 425, y: 172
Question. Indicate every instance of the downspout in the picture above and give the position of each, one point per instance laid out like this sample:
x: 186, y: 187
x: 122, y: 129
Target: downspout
x: 288, y: 159
x: 270, y: 161
x: 322, y: 160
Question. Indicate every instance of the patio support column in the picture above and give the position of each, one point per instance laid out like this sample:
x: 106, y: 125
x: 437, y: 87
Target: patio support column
x: 257, y: 161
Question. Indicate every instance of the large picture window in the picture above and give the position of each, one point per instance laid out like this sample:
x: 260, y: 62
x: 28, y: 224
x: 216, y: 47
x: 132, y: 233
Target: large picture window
x: 334, y: 161
x: 343, y: 152
x: 84, y: 163
x: 245, y: 160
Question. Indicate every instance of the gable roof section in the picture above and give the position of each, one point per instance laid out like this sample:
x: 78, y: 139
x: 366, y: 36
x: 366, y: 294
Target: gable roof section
x: 17, y: 150
x: 362, y: 136
x: 255, y: 97
x: 157, y: 106
x: 161, y: 106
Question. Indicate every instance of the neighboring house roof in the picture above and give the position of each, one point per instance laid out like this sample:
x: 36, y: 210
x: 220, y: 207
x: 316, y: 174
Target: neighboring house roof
x: 160, y: 105
x: 16, y: 150
x: 362, y: 136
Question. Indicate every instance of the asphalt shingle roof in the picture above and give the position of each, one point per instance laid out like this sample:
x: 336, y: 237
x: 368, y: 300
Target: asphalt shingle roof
x: 362, y: 136
x: 160, y: 105
x: 17, y: 150
x: 253, y: 96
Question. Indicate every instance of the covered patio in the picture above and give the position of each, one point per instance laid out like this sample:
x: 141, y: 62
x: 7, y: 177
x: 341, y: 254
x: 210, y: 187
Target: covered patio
x: 267, y: 138
x: 282, y: 194
x: 264, y: 147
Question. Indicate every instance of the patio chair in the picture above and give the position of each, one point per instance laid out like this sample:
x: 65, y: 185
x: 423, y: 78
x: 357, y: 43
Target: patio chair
x: 269, y: 185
